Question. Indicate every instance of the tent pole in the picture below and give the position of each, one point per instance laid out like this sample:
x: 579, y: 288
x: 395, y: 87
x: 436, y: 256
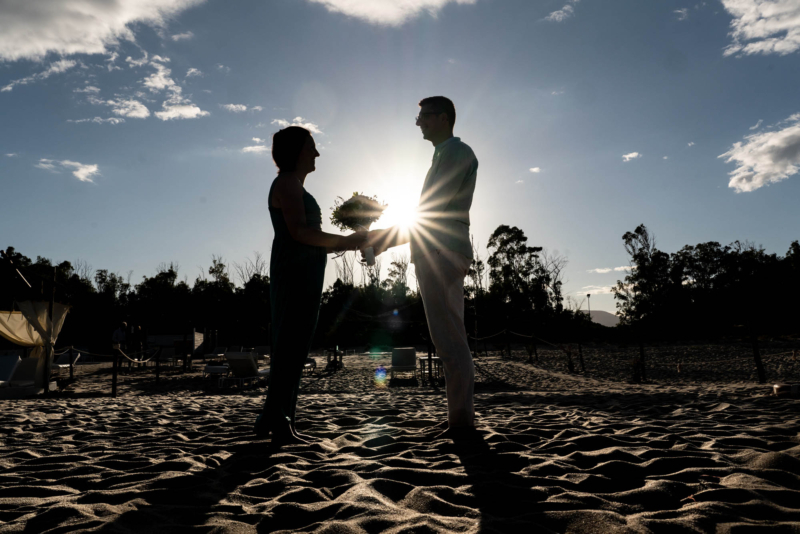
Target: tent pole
x: 48, y: 345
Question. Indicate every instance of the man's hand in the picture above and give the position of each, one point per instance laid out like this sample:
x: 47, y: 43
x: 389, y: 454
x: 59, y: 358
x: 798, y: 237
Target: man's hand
x: 375, y: 239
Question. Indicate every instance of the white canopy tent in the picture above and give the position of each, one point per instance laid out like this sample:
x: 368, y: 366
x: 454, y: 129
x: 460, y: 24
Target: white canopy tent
x: 31, y: 327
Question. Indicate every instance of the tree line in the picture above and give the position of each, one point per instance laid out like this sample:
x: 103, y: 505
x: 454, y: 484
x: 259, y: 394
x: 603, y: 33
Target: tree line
x: 700, y: 292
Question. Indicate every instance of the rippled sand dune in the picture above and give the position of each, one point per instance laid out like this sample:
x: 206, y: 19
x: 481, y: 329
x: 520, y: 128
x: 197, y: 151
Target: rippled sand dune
x: 559, y: 453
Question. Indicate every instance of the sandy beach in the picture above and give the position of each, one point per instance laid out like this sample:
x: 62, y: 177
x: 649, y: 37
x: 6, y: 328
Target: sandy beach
x: 706, y: 450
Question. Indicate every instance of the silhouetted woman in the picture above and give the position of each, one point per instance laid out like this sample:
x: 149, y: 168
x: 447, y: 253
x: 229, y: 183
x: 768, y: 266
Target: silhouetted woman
x: 297, y: 269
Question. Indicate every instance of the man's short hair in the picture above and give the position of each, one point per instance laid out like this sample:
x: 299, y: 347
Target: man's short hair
x: 441, y: 104
x: 287, y: 145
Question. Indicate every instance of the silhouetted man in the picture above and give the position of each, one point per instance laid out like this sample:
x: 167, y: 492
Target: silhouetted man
x: 442, y: 253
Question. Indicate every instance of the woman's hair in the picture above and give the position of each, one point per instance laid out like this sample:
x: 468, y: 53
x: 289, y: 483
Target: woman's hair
x: 286, y: 147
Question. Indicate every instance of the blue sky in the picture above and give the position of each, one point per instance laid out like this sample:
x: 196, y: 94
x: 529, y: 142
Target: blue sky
x: 138, y: 133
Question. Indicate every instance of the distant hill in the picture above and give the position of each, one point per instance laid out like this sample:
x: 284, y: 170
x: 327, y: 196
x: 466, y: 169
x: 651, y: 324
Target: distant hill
x: 604, y: 318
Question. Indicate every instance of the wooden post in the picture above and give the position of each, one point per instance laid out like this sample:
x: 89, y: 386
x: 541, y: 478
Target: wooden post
x: 762, y: 376
x: 71, y: 365
x: 48, y: 343
x: 430, y: 362
x: 158, y: 364
x: 642, y: 371
x: 580, y: 357
x: 114, y: 376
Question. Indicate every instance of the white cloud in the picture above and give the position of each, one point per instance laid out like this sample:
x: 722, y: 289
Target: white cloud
x: 632, y: 155
x: 255, y: 149
x: 82, y: 172
x: 756, y: 125
x: 259, y: 140
x: 765, y: 158
x: 193, y: 72
x: 32, y: 29
x: 388, y: 12
x: 182, y: 36
x: 683, y: 14
x: 46, y: 164
x: 603, y: 270
x: 298, y: 121
x: 556, y: 93
x: 690, y: 143
x: 595, y: 290
x: 257, y: 108
x: 180, y: 108
x: 57, y: 67
x: 137, y: 62
x: 129, y: 108
x: 562, y: 14
x: 520, y: 182
x: 665, y: 157
x: 160, y: 79
x: 12, y: 154
x: 770, y: 26
x: 234, y: 108
x: 223, y: 68
x: 100, y: 120
x: 111, y: 60
x: 87, y: 89
x: 535, y: 169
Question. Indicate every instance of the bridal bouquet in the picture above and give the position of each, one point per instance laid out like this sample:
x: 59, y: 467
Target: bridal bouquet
x: 357, y: 213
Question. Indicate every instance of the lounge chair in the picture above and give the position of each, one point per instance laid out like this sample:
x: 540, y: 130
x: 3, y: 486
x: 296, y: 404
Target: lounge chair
x: 25, y: 374
x: 8, y: 364
x: 404, y: 360
x: 63, y: 361
x: 216, y: 371
x: 235, y: 348
x: 310, y: 365
x: 244, y: 368
x: 218, y: 352
x: 262, y: 351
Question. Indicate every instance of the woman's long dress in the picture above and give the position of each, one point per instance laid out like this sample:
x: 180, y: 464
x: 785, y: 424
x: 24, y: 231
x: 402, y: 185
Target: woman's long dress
x: 296, y: 279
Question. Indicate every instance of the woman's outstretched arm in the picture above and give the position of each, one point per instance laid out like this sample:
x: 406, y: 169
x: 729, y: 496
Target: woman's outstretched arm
x: 288, y: 196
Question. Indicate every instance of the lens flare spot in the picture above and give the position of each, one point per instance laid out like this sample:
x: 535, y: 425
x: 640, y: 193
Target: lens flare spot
x: 380, y: 377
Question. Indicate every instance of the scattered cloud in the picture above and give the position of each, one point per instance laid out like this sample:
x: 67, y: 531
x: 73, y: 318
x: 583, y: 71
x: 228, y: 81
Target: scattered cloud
x: 137, y: 62
x: 31, y: 30
x: 298, y: 121
x: 757, y: 125
x: 259, y: 140
x: 603, y: 270
x: 223, y: 68
x: 180, y: 108
x: 763, y: 27
x: 690, y: 143
x: 595, y: 290
x: 665, y: 157
x: 182, y: 36
x: 683, y: 14
x: 160, y: 79
x: 87, y: 89
x: 193, y: 72
x: 112, y: 58
x: 234, y: 108
x: 765, y: 158
x: 535, y: 170
x: 255, y: 149
x: 557, y: 93
x: 11, y: 155
x: 520, y: 182
x: 82, y: 172
x: 129, y: 108
x: 57, y: 67
x: 257, y: 108
x: 632, y: 155
x: 387, y: 12
x: 100, y: 120
x: 562, y: 14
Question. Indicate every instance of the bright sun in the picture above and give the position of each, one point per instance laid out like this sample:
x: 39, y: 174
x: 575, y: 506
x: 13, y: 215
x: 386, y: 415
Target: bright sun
x: 399, y: 213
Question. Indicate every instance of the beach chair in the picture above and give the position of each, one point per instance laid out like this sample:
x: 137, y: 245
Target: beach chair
x: 217, y: 353
x: 63, y: 361
x: 244, y: 368
x: 219, y: 372
x: 263, y: 352
x: 235, y: 348
x: 310, y: 365
x: 8, y: 364
x: 25, y: 374
x: 404, y: 360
